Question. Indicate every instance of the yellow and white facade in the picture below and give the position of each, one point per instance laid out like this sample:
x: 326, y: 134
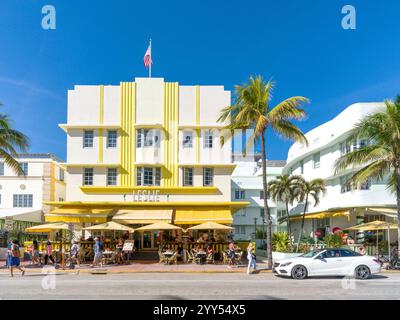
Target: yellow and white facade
x: 147, y: 151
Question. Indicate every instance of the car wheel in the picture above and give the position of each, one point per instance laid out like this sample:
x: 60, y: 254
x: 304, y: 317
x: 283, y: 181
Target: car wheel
x: 362, y: 272
x: 299, y: 272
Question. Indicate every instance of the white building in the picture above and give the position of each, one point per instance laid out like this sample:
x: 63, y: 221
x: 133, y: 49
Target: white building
x: 343, y: 205
x: 146, y: 151
x: 22, y: 196
x: 247, y: 186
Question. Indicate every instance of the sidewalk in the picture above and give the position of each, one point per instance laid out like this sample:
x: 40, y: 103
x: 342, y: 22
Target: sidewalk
x: 144, y: 267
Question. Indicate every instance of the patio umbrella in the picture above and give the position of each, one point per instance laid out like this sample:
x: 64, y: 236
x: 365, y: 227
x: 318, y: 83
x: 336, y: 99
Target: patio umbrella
x: 375, y: 226
x: 44, y: 228
x: 209, y: 225
x: 159, y: 226
x: 110, y: 225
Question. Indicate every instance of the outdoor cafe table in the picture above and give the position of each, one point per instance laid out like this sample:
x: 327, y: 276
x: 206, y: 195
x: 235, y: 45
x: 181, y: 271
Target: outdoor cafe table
x: 202, y: 256
x: 107, y: 256
x: 168, y: 254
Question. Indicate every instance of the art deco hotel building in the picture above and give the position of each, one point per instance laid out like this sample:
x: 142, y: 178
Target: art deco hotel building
x: 146, y: 151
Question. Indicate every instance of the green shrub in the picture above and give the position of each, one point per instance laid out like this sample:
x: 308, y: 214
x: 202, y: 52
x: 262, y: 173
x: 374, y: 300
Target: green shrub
x: 333, y: 240
x: 280, y: 242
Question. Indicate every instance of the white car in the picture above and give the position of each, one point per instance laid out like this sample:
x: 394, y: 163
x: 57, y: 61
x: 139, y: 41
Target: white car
x: 328, y: 262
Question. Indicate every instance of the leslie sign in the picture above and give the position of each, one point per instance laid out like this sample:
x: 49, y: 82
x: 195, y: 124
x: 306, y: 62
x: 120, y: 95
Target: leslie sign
x: 146, y: 196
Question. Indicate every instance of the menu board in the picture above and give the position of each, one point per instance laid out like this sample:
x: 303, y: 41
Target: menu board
x: 128, y: 245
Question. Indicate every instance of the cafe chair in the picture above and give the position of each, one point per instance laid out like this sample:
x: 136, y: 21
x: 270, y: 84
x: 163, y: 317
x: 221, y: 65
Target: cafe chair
x: 225, y: 258
x: 163, y: 259
x: 210, y: 258
x: 174, y: 258
x: 190, y: 257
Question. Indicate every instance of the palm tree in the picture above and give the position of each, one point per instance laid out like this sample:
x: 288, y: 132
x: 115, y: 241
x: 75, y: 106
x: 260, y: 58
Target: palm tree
x: 284, y: 189
x: 380, y: 157
x: 11, y: 140
x: 314, y: 189
x: 252, y: 110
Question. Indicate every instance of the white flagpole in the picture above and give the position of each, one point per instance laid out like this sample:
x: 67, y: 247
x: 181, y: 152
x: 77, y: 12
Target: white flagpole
x: 150, y: 60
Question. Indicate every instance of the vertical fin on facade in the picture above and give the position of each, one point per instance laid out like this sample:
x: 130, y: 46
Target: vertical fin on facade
x: 170, y: 174
x: 197, y: 124
x: 101, y: 120
x: 128, y: 134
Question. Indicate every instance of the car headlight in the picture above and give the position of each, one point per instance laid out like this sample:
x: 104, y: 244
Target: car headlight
x: 285, y: 264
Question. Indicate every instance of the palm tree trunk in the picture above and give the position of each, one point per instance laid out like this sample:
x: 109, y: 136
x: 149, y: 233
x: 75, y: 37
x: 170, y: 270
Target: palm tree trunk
x: 302, y: 223
x: 289, y: 230
x: 267, y: 215
x: 398, y: 209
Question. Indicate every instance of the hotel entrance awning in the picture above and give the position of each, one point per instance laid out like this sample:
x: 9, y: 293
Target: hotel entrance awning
x: 143, y: 216
x: 73, y: 215
x: 200, y: 216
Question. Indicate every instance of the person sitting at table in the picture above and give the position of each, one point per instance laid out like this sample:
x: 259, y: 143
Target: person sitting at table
x: 120, y: 254
x: 200, y: 239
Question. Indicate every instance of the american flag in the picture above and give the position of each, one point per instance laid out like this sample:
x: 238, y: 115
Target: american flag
x: 147, y: 57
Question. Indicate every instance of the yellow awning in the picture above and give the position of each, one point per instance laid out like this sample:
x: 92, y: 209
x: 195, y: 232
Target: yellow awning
x: 143, y: 216
x: 200, y: 216
x: 323, y: 215
x: 76, y: 218
x: 86, y: 211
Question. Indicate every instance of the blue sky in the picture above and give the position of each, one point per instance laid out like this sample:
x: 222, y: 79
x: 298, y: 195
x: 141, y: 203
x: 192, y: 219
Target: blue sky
x: 301, y: 44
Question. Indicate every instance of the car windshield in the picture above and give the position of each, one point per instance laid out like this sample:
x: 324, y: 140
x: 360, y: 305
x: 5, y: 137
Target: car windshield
x: 310, y: 254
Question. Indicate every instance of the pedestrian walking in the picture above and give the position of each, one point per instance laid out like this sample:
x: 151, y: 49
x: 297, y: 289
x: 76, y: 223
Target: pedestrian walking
x: 49, y: 253
x: 75, y: 254
x: 98, y: 253
x: 251, y: 257
x: 8, y: 257
x: 15, y: 260
x: 35, y: 253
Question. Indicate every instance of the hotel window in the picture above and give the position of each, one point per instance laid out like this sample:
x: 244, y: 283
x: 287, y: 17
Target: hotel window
x: 88, y: 177
x: 317, y: 160
x: 139, y: 139
x: 366, y: 185
x: 262, y: 195
x: 187, y: 139
x: 111, y: 176
x: 148, y: 176
x: 208, y: 177
x: 208, y: 140
x: 88, y: 139
x: 61, y: 174
x: 148, y: 136
x: 1, y: 168
x: 111, y: 139
x: 24, y: 167
x: 187, y: 177
x: 240, y: 194
x: 22, y: 200
x: 345, y: 184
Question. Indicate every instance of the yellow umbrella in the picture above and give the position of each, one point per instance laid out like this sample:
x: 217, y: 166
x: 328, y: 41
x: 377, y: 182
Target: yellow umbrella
x: 159, y: 226
x: 111, y: 225
x: 375, y: 226
x: 44, y: 228
x: 209, y: 225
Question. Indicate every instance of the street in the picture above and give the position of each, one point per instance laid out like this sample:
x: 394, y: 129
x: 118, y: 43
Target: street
x: 194, y: 286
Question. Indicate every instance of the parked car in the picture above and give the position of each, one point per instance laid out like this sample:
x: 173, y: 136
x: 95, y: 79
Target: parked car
x: 328, y: 262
